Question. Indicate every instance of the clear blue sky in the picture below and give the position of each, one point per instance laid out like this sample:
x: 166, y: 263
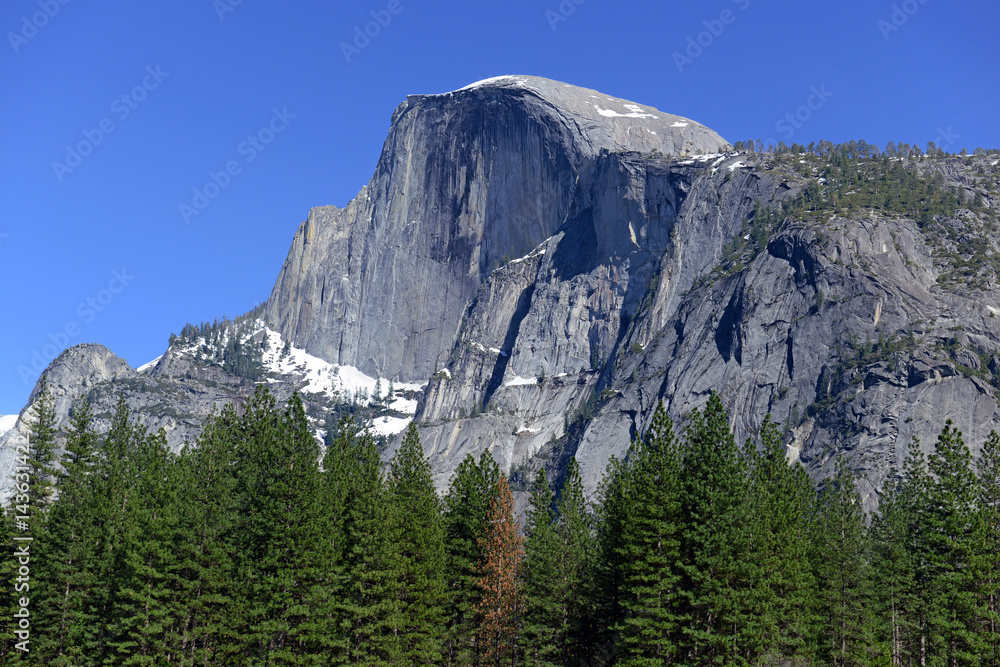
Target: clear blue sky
x: 199, y: 78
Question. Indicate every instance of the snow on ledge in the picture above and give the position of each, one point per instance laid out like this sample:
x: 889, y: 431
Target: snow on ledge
x: 148, y: 365
x: 519, y: 381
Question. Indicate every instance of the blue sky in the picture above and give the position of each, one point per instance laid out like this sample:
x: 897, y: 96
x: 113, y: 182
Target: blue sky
x: 115, y: 113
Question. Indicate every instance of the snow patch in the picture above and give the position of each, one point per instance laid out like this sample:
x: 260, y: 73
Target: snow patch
x: 506, y: 78
x: 148, y: 365
x: 735, y: 165
x: 519, y: 381
x: 489, y: 350
x: 611, y: 113
x: 323, y: 377
x: 7, y: 423
x: 405, y: 405
x: 390, y: 425
x: 679, y: 124
x: 537, y: 252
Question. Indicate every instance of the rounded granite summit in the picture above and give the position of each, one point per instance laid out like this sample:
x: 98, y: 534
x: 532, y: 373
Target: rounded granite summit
x: 604, y: 122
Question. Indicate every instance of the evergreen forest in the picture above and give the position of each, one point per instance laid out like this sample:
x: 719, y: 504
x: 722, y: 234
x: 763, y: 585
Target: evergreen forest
x: 254, y: 546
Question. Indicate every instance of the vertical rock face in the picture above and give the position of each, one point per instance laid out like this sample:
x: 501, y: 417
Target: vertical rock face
x: 466, y: 181
x: 553, y: 263
x: 546, y: 335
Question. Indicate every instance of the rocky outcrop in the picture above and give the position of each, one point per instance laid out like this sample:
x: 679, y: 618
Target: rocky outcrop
x: 553, y: 263
x: 71, y: 375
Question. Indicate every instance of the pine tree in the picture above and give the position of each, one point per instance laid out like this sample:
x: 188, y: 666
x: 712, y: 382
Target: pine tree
x: 367, y: 606
x: 466, y: 515
x: 558, y: 558
x: 844, y: 573
x: 145, y: 602
x: 338, y: 496
x: 893, y: 577
x: 541, y: 556
x: 420, y: 540
x: 277, y: 493
x: 115, y: 477
x: 988, y: 556
x: 779, y: 604
x: 42, y: 446
x: 949, y: 538
x: 499, y: 576
x: 576, y: 559
x: 611, y: 516
x: 67, y: 583
x: 205, y: 570
x: 900, y: 561
x: 650, y: 552
x: 713, y: 502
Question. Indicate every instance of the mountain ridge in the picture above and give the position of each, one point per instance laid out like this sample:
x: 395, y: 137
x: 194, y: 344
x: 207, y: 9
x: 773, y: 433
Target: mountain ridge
x: 542, y: 292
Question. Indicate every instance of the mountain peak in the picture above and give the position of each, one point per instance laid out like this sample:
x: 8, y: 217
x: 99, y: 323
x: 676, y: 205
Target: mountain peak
x: 603, y: 122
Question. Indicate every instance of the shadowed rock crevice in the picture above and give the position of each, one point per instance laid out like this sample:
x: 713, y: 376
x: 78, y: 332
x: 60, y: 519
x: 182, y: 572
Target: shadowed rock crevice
x: 727, y: 335
x: 576, y: 253
x: 509, y: 341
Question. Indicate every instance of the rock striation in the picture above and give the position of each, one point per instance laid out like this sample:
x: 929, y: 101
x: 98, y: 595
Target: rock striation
x: 466, y: 181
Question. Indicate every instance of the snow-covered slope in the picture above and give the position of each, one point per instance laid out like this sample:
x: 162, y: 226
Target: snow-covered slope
x: 320, y: 383
x: 7, y: 423
x: 338, y: 382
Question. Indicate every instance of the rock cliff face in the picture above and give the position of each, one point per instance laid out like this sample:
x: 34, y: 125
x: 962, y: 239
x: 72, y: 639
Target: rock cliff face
x: 465, y: 180
x: 550, y: 263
